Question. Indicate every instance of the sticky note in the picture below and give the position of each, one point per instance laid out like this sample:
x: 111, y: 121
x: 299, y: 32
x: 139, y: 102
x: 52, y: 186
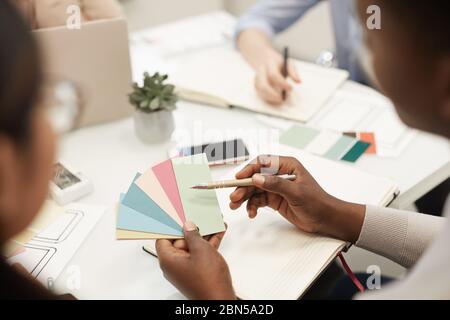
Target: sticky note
x: 298, y: 136
x: 356, y: 151
x: 132, y: 220
x: 340, y: 148
x: 149, y: 183
x: 166, y: 177
x: 200, y: 206
x: 136, y: 199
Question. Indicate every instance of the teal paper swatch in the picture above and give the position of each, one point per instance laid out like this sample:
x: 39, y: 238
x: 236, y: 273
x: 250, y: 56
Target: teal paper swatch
x: 138, y: 200
x: 340, y: 147
x: 130, y: 219
x: 356, y: 151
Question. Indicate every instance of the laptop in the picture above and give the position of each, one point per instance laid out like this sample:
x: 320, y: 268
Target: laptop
x: 97, y: 59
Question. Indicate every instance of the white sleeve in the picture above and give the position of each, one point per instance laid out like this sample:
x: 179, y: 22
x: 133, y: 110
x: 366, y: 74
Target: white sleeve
x: 273, y: 16
x: 401, y: 236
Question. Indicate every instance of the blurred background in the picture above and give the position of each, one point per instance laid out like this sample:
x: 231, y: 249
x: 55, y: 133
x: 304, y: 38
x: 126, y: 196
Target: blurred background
x: 146, y: 13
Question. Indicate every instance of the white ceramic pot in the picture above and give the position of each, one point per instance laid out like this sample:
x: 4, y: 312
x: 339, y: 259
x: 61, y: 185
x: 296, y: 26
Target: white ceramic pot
x: 153, y: 127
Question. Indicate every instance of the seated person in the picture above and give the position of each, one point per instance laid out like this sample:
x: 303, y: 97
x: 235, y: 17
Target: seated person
x: 27, y: 146
x: 267, y: 18
x: 418, y: 84
x: 53, y: 13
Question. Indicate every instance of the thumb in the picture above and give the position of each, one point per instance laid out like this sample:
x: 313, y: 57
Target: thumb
x: 192, y: 236
x: 274, y: 184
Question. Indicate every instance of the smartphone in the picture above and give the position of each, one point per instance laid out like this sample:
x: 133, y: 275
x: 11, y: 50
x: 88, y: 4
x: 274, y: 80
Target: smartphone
x: 218, y: 153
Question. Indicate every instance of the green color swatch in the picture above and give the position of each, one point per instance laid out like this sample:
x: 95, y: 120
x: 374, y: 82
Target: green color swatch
x: 299, y: 136
x: 356, y: 151
x: 341, y: 146
x: 200, y: 206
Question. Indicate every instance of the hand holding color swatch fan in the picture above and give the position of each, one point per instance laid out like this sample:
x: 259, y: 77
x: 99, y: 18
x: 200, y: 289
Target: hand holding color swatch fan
x: 161, y: 200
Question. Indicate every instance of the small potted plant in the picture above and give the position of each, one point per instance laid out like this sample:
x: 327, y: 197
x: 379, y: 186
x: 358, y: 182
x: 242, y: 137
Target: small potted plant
x: 154, y: 103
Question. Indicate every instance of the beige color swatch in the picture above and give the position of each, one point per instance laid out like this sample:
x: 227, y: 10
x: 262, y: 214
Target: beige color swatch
x: 149, y: 183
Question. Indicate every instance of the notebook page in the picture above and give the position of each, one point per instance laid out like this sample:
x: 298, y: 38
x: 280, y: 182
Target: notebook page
x: 222, y: 72
x: 269, y: 258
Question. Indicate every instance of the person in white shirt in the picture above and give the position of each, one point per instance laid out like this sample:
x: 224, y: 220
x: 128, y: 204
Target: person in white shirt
x: 257, y: 27
x: 411, y: 59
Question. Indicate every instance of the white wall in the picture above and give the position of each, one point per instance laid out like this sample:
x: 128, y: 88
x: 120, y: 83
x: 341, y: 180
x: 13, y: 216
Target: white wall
x: 306, y: 38
x: 145, y: 13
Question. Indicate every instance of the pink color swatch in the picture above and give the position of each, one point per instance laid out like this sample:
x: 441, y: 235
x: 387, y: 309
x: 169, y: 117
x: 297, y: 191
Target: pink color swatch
x: 166, y: 177
x: 150, y: 184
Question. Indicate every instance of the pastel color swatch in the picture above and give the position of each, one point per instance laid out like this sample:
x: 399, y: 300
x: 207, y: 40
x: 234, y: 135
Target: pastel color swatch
x: 136, y: 199
x: 341, y: 147
x: 166, y: 177
x: 151, y: 207
x: 149, y: 183
x: 132, y: 220
x: 299, y: 136
x: 200, y: 206
x: 349, y: 146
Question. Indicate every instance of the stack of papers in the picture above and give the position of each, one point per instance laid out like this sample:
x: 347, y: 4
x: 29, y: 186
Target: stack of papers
x: 161, y: 200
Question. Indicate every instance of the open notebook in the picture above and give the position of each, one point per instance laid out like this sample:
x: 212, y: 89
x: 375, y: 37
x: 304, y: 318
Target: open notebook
x: 271, y: 259
x: 221, y: 77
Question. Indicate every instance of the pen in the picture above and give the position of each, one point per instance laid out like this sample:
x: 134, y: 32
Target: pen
x: 285, y: 67
x: 235, y: 183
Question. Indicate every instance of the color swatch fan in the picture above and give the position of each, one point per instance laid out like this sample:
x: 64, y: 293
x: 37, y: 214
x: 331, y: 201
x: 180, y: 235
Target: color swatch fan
x: 159, y: 201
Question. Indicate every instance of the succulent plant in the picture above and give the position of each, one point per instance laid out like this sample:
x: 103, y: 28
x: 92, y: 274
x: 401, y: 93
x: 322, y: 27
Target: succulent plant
x: 154, y: 95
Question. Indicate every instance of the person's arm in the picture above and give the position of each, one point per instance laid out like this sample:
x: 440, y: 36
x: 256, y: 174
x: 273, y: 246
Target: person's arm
x: 101, y: 9
x: 253, y: 38
x: 400, y: 236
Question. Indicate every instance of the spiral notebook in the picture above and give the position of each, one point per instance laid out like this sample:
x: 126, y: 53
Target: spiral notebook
x: 221, y: 77
x: 271, y: 259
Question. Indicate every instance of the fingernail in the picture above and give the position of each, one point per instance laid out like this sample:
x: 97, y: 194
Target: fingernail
x: 189, y: 226
x: 258, y: 179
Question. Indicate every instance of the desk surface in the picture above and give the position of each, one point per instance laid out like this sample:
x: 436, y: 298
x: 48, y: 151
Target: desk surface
x: 110, y: 155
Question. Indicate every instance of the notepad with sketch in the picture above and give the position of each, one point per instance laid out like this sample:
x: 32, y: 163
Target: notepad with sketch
x: 221, y: 77
x: 271, y: 259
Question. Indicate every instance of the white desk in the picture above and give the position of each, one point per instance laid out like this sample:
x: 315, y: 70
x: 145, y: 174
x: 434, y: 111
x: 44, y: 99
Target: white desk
x: 111, y: 154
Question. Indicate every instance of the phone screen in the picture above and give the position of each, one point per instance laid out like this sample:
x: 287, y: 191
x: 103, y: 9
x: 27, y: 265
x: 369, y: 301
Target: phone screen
x: 217, y: 152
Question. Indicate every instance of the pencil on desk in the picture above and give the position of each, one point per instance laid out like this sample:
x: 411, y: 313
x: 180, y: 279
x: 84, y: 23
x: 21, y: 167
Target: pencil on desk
x: 285, y: 68
x: 234, y: 183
